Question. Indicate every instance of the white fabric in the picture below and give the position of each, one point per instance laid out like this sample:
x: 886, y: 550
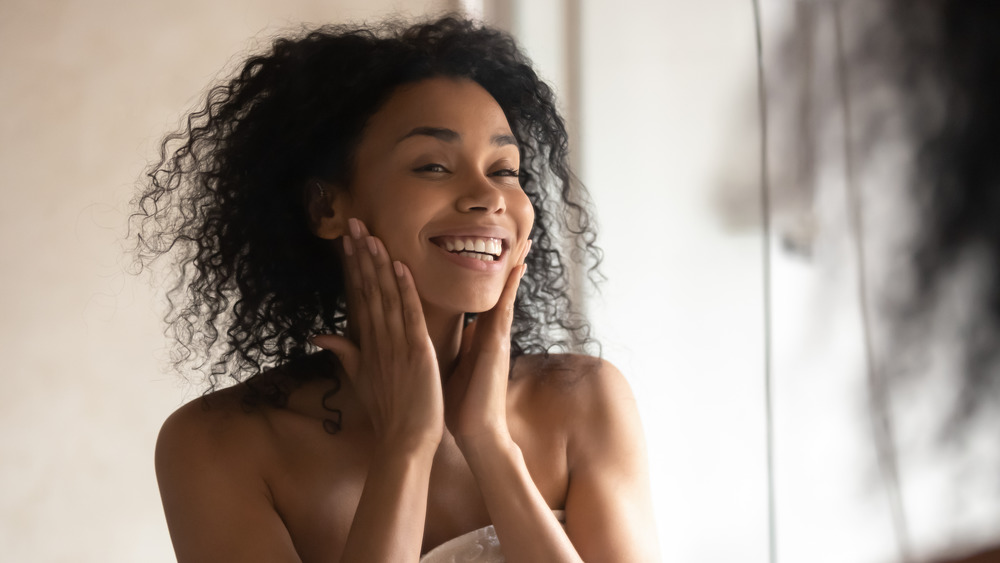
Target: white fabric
x: 477, y: 546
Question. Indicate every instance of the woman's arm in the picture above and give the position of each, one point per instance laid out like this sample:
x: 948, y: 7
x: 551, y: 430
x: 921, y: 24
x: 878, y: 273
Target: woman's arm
x: 609, y: 510
x: 609, y: 513
x: 476, y: 414
x: 394, y: 369
x: 389, y: 522
x: 524, y: 523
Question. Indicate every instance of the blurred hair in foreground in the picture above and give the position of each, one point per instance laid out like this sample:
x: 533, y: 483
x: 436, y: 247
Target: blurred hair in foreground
x: 922, y: 76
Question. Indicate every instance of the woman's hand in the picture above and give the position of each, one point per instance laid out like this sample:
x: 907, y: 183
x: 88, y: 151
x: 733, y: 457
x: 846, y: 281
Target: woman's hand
x: 392, y: 366
x: 476, y: 393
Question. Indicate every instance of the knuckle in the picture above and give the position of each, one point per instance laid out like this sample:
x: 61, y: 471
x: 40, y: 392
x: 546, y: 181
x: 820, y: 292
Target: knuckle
x: 508, y: 312
x: 370, y: 288
x: 390, y: 302
x: 356, y: 296
x: 501, y: 342
x: 410, y: 310
x: 410, y: 313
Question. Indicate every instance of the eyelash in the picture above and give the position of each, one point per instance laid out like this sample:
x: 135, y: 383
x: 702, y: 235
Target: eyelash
x: 431, y: 168
x: 437, y: 168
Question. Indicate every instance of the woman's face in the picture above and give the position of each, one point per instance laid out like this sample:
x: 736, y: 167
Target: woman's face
x: 436, y: 180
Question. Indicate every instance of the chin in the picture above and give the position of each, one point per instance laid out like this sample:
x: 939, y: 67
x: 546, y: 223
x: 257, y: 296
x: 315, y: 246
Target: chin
x: 462, y: 302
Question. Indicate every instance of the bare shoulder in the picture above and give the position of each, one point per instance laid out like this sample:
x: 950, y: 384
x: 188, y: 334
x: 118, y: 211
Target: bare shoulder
x: 591, y: 398
x: 210, y: 460
x: 212, y: 425
x: 586, y: 396
x: 609, y: 514
x: 579, y: 381
x: 207, y: 446
x: 226, y: 424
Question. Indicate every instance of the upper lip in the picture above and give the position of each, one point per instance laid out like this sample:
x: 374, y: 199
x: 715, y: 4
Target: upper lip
x: 485, y: 231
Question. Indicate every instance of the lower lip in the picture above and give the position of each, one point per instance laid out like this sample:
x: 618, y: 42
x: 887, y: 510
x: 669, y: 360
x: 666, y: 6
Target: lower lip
x: 475, y: 263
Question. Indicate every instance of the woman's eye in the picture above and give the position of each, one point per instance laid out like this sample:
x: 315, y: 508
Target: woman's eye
x: 433, y: 167
x: 505, y: 172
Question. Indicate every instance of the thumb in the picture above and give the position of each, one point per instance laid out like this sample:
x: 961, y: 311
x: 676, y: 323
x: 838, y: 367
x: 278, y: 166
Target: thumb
x: 468, y: 334
x: 345, y: 350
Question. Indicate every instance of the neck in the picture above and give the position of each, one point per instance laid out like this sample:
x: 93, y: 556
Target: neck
x: 445, y: 331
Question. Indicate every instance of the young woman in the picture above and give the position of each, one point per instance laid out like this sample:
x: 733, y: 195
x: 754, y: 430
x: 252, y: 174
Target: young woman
x: 391, y: 195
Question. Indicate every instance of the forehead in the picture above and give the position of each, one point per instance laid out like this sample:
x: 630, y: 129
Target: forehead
x: 455, y: 103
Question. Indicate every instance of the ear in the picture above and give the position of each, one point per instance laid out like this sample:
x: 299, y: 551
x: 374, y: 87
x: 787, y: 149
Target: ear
x: 327, y: 207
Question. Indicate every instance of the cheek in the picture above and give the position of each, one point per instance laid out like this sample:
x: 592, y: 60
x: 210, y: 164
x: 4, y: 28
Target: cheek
x: 520, y: 206
x: 398, y: 225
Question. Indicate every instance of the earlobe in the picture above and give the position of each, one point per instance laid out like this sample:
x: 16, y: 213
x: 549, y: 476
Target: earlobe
x: 326, y: 207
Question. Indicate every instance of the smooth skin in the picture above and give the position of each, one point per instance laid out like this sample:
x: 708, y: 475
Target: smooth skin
x: 436, y: 440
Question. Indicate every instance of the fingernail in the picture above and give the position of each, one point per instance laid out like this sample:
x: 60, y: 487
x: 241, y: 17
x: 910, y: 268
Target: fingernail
x: 348, y: 246
x: 398, y: 266
x: 524, y: 270
x: 371, y: 246
x: 355, y: 227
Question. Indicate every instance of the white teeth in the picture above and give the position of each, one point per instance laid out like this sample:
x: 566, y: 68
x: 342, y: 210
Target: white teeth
x: 490, y: 246
x: 477, y: 256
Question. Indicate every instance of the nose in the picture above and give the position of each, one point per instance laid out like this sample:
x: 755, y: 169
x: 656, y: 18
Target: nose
x: 481, y: 194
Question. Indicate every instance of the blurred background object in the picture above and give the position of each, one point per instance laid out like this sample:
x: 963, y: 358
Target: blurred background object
x: 887, y: 135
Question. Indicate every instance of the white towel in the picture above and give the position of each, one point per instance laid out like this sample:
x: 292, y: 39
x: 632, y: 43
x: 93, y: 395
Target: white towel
x: 478, y: 546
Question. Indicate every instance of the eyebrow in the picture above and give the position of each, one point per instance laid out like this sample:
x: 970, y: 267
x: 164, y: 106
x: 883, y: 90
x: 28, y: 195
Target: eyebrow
x: 503, y: 140
x: 451, y: 136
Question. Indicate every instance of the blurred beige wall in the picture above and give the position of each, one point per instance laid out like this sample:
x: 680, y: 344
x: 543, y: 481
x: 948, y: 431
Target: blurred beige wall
x: 87, y: 88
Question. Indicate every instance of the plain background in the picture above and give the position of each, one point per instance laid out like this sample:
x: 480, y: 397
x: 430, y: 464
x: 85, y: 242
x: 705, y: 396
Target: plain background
x: 661, y: 105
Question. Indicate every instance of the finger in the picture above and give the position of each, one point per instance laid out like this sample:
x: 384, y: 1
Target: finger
x: 514, y: 277
x: 468, y: 334
x: 359, y: 229
x: 497, y: 321
x: 352, y: 271
x: 371, y: 291
x: 509, y: 295
x: 390, y: 293
x: 389, y: 285
x: 359, y: 285
x: 524, y: 253
x: 343, y: 348
x: 413, y: 313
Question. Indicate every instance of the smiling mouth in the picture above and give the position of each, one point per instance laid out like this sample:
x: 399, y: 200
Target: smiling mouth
x: 480, y: 248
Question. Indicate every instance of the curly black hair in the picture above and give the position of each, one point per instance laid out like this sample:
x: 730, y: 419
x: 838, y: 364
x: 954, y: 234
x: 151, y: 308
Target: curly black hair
x: 226, y: 198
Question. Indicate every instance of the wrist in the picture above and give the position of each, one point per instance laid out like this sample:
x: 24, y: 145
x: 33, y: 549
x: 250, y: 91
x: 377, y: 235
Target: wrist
x: 410, y: 445
x: 487, y: 447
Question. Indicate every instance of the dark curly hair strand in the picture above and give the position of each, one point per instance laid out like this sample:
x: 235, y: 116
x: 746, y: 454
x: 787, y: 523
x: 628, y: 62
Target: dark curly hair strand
x: 226, y: 198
